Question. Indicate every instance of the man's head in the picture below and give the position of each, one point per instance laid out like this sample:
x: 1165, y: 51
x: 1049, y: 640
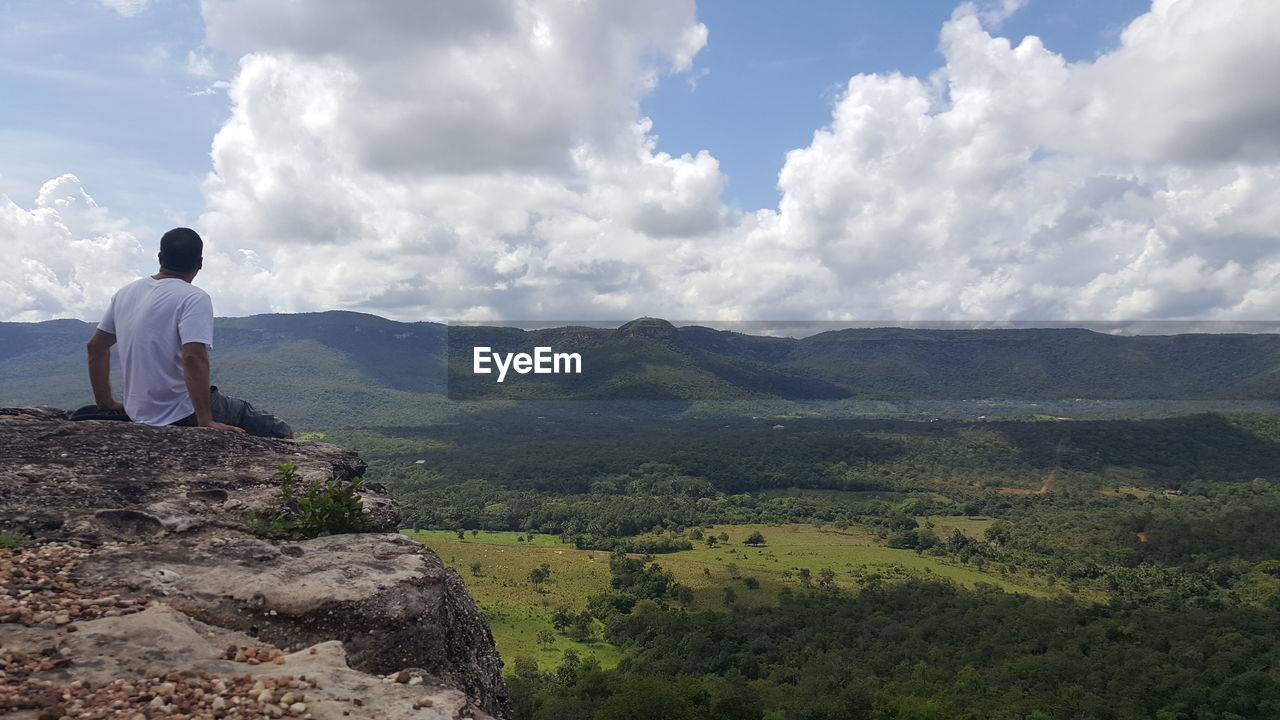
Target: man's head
x: 180, y: 251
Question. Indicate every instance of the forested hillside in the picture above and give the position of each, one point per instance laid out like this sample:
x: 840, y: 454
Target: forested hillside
x: 342, y: 369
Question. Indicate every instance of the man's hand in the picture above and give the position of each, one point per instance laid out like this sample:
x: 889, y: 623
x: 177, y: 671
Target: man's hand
x: 114, y: 406
x: 215, y: 425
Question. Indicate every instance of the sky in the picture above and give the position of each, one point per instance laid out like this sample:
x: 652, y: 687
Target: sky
x: 1043, y: 160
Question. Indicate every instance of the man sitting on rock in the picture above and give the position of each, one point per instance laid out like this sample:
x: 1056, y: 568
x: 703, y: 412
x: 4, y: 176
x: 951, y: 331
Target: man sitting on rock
x: 164, y: 327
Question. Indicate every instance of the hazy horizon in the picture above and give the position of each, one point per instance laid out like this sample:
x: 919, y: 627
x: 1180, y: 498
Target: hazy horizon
x: 806, y: 328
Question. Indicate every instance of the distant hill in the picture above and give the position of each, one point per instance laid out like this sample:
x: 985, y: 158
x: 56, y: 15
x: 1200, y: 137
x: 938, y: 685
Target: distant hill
x: 332, y: 369
x: 651, y: 359
x: 344, y: 369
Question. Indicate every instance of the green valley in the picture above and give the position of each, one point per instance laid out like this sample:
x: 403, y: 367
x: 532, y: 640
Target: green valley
x: 887, y: 523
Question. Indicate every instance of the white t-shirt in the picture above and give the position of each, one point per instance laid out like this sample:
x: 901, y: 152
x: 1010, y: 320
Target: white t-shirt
x: 152, y: 319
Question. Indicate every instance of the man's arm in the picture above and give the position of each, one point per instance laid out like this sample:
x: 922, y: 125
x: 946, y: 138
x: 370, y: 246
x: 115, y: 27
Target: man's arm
x: 195, y: 370
x: 99, y: 348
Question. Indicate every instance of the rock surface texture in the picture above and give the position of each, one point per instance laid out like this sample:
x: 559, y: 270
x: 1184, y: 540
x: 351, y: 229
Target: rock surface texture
x: 143, y: 595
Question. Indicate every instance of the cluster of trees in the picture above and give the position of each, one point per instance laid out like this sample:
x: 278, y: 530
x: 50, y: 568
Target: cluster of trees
x: 1214, y: 545
x: 604, y: 522
x: 918, y: 649
x: 702, y: 458
x: 639, y: 544
x: 606, y: 481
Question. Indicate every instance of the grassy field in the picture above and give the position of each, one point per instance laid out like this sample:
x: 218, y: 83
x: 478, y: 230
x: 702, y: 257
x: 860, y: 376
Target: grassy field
x: 944, y: 525
x: 852, y: 554
x: 519, y: 612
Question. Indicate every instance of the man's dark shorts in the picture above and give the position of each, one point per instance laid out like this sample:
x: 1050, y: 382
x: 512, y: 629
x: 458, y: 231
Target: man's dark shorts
x: 226, y: 410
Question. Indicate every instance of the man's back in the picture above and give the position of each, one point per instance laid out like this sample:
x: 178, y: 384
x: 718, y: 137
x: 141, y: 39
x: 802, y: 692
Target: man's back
x: 152, y: 319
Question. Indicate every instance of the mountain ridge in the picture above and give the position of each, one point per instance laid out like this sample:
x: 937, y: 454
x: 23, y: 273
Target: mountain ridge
x: 350, y: 369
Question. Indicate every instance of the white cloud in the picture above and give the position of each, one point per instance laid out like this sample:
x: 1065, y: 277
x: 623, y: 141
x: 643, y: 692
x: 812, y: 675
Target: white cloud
x: 488, y: 160
x: 495, y: 165
x: 503, y: 169
x: 1015, y: 185
x: 995, y: 12
x: 214, y: 88
x: 1192, y: 83
x: 127, y: 8
x: 200, y: 64
x: 65, y: 256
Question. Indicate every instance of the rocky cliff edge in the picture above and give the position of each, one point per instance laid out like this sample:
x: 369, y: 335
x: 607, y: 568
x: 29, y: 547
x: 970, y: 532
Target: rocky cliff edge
x: 143, y: 596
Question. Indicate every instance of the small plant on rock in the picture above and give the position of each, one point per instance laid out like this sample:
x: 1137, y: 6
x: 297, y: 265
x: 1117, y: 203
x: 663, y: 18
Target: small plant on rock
x: 311, y: 508
x: 10, y: 540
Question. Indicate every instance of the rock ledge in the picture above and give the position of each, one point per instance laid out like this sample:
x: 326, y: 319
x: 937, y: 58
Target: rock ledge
x: 144, y: 596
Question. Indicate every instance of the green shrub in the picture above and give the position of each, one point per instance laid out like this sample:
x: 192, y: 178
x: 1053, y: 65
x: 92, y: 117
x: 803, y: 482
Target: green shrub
x: 10, y: 540
x: 312, y: 508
